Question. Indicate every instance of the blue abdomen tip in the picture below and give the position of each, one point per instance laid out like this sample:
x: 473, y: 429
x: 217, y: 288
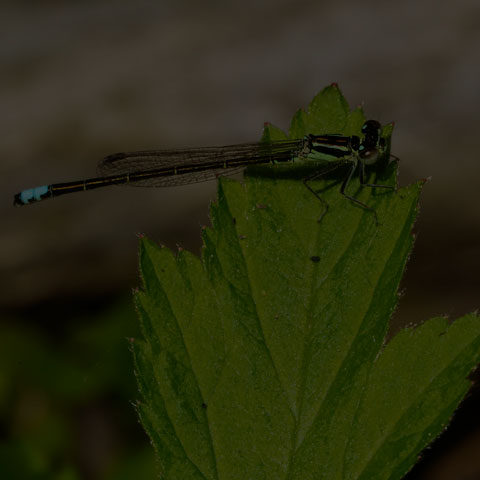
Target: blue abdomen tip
x: 32, y: 195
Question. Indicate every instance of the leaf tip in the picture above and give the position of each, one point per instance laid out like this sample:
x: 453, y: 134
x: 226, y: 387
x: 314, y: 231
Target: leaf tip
x: 424, y: 180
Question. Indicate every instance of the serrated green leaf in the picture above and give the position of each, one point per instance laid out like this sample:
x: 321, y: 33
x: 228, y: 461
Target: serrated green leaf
x: 265, y: 359
x: 271, y: 133
x: 327, y: 113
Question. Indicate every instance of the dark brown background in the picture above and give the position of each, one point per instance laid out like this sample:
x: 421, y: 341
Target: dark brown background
x: 84, y: 79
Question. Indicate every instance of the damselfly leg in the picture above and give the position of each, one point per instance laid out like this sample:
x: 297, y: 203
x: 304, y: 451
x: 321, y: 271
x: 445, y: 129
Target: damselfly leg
x: 314, y: 176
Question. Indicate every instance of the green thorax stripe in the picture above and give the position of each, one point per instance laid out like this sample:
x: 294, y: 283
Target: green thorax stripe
x: 334, y: 146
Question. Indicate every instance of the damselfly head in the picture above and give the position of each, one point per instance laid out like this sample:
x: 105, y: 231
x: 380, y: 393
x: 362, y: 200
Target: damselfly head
x: 373, y: 144
x: 371, y: 126
x: 372, y: 130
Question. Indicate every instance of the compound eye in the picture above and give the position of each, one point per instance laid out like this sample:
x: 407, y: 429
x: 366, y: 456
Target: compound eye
x: 372, y: 126
x: 368, y: 155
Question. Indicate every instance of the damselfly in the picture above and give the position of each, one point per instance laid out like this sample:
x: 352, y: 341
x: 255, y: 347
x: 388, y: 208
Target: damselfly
x: 164, y: 168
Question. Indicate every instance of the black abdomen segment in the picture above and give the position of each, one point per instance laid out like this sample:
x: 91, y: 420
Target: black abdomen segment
x: 49, y: 191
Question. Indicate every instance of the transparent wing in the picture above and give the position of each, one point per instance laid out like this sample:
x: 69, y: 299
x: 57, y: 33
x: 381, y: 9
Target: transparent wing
x: 199, y: 164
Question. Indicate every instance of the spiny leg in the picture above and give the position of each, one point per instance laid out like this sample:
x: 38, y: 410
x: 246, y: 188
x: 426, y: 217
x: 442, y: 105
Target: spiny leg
x: 373, y: 185
x: 313, y: 176
x: 345, y: 183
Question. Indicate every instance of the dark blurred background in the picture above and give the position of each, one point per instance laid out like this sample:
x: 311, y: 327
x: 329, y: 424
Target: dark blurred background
x: 80, y: 80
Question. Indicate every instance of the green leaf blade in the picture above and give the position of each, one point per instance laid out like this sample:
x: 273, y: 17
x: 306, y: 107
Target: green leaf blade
x: 266, y: 359
x: 179, y: 419
x: 431, y: 364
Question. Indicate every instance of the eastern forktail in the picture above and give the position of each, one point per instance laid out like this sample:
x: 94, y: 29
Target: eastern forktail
x: 164, y: 168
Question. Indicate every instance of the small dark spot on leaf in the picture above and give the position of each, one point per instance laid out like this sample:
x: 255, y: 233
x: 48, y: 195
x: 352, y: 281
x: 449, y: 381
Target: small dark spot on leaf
x: 242, y: 237
x: 204, y: 406
x: 234, y: 220
x: 315, y: 259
